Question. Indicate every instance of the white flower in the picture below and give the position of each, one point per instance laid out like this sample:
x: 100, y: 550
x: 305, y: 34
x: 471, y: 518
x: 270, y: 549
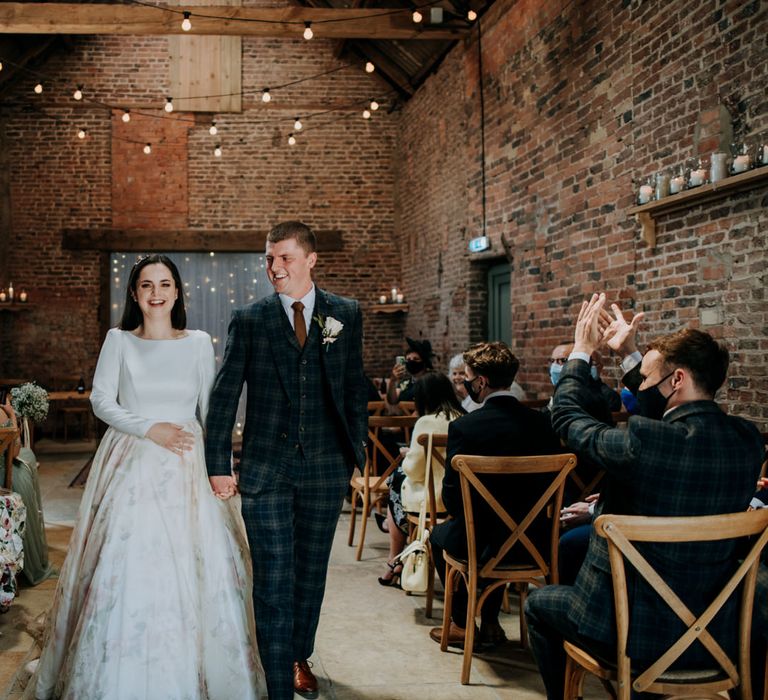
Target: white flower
x: 331, y: 329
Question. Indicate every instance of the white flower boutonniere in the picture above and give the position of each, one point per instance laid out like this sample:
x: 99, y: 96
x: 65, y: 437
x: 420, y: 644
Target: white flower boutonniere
x: 331, y: 329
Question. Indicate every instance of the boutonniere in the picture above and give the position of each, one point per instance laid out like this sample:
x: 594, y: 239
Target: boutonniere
x: 330, y: 327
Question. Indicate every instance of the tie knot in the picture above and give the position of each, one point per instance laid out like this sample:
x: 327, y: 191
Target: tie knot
x: 297, y: 306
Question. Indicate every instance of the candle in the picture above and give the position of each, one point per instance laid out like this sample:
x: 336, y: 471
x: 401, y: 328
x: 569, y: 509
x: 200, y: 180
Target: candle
x: 645, y: 194
x: 765, y: 154
x: 741, y: 163
x: 676, y: 184
x: 697, y: 177
x: 383, y: 299
x: 3, y: 296
x: 662, y: 185
x: 22, y: 296
x: 400, y: 298
x: 394, y: 293
x: 10, y: 292
x: 719, y: 170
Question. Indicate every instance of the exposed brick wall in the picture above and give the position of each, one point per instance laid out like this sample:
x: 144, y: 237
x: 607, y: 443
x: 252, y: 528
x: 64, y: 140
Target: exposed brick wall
x: 583, y: 101
x: 338, y: 177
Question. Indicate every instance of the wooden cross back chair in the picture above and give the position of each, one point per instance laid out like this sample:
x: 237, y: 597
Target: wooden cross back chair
x: 439, y: 443
x: 621, y: 532
x: 544, y: 565
x: 371, y: 486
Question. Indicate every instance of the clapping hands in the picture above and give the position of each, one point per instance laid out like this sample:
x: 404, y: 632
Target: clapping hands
x: 596, y: 327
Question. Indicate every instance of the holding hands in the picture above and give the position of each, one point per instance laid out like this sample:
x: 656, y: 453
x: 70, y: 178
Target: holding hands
x: 223, y: 487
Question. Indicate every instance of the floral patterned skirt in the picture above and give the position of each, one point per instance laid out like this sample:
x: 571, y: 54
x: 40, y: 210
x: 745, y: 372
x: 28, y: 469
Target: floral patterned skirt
x: 154, y: 598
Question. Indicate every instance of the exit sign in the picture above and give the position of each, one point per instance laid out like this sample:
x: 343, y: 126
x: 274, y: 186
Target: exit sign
x: 479, y: 244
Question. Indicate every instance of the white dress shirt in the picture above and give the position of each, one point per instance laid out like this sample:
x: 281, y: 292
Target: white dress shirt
x: 309, y: 306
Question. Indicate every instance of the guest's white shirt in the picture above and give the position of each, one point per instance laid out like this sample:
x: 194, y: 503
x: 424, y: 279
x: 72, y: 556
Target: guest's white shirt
x: 309, y: 306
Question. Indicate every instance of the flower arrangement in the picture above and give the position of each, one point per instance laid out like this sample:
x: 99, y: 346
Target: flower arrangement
x: 331, y: 328
x: 30, y: 401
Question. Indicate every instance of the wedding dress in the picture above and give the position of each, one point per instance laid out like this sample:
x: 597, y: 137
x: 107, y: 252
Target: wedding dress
x: 154, y: 598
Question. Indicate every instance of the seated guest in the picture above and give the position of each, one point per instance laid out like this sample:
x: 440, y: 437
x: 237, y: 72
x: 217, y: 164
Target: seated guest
x: 26, y: 484
x: 457, y: 376
x: 576, y: 521
x: 683, y: 457
x: 418, y: 359
x: 501, y: 427
x: 437, y: 406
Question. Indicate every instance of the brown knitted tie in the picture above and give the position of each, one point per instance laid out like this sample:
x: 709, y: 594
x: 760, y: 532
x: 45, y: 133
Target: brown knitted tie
x: 298, y: 322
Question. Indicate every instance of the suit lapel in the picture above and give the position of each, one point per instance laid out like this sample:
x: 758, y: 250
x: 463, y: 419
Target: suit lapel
x: 278, y: 329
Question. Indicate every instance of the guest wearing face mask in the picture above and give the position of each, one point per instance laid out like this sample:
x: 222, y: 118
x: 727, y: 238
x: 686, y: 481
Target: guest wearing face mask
x: 418, y: 360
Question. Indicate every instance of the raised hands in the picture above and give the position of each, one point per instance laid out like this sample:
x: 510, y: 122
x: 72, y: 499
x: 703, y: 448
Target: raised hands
x: 619, y: 335
x: 595, y: 327
x: 589, y: 333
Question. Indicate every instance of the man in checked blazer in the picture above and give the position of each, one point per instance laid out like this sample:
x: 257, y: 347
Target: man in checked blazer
x: 683, y: 456
x: 300, y: 353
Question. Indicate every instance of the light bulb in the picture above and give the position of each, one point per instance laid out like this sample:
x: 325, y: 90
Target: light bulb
x: 126, y: 116
x: 291, y: 140
x: 81, y: 134
x: 298, y: 125
x: 186, y: 24
x: 417, y: 16
x: 217, y: 151
x: 78, y: 94
x: 265, y: 96
x: 369, y: 67
x: 213, y: 130
x: 366, y: 114
x: 308, y: 33
x: 169, y: 104
x: 39, y: 88
x: 148, y: 148
x: 374, y: 105
x: 471, y: 15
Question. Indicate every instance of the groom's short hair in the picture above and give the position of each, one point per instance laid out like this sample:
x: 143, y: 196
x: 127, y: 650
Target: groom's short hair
x: 294, y: 229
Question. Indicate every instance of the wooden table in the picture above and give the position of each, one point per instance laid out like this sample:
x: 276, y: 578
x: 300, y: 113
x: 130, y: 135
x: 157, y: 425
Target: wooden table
x: 69, y: 395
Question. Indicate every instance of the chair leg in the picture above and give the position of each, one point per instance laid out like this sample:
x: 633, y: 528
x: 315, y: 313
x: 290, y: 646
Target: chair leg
x: 469, y: 629
x: 505, y: 606
x: 522, y: 589
x: 353, y: 514
x: 430, y: 586
x: 450, y: 575
x: 574, y: 680
x: 363, y: 522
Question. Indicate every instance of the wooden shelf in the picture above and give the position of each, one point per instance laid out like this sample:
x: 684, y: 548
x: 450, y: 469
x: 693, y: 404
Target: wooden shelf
x: 390, y: 308
x: 15, y: 306
x: 646, y: 213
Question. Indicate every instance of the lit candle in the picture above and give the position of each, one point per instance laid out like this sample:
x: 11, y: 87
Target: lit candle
x: 698, y: 177
x: 383, y: 299
x: 400, y: 298
x: 676, y: 184
x: 719, y: 170
x: 22, y: 296
x: 394, y: 293
x: 10, y: 292
x: 645, y: 194
x: 3, y: 296
x: 765, y: 154
x: 741, y: 163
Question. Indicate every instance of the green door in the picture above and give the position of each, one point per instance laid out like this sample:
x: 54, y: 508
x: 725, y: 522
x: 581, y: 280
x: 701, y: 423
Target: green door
x: 499, y: 313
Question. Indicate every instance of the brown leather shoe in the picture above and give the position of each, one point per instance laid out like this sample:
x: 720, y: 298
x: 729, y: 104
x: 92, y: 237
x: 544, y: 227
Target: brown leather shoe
x: 455, y: 635
x: 304, y: 681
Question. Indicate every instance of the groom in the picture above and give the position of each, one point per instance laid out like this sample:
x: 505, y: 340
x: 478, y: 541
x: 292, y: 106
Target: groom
x: 300, y: 353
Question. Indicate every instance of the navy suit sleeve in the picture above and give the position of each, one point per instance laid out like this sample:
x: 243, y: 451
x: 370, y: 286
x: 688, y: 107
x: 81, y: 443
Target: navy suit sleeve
x: 613, y: 448
x: 224, y: 399
x: 451, y: 493
x: 355, y: 389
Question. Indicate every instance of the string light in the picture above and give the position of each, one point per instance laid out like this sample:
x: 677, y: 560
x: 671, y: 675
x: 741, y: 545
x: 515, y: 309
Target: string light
x: 471, y: 15
x: 78, y: 94
x: 308, y: 33
x: 374, y: 105
x: 81, y: 134
x: 297, y: 124
x: 417, y: 16
x: 213, y: 130
x: 127, y: 116
x: 291, y: 140
x: 169, y: 104
x: 148, y: 148
x: 265, y: 96
x: 369, y: 67
x: 217, y: 151
x: 186, y: 24
x: 39, y: 88
x: 366, y: 114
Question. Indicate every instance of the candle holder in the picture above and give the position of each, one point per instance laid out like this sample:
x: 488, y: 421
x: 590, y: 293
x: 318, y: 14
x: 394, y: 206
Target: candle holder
x: 645, y: 192
x: 761, y: 155
x: 23, y: 296
x: 697, y: 172
x: 719, y: 169
x: 677, y: 183
x: 741, y: 160
x: 662, y: 184
x: 3, y: 296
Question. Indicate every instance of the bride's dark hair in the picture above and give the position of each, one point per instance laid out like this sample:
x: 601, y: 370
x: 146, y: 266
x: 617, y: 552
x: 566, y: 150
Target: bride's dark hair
x: 132, y: 316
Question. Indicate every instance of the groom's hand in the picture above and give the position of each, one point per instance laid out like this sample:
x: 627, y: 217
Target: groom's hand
x: 223, y: 487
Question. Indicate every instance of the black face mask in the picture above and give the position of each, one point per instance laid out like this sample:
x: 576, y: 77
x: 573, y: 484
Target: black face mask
x: 651, y: 403
x: 468, y: 385
x: 414, y: 366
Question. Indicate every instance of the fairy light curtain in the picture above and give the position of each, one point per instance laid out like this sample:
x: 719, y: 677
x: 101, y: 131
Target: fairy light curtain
x: 214, y: 285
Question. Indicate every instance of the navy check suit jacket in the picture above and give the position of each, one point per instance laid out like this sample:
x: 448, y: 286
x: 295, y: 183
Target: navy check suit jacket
x: 256, y: 353
x: 695, y: 461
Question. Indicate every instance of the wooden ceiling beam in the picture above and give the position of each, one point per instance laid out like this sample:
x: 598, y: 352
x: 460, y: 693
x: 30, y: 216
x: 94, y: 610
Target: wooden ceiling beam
x: 327, y: 23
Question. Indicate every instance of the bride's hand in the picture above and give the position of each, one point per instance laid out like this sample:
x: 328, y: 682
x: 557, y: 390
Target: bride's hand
x: 172, y: 437
x: 223, y: 487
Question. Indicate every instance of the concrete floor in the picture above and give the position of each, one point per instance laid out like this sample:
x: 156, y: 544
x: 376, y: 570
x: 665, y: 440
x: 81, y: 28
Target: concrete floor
x: 373, y: 642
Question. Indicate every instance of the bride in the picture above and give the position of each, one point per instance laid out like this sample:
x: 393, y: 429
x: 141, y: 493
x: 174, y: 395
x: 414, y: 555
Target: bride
x: 154, y: 598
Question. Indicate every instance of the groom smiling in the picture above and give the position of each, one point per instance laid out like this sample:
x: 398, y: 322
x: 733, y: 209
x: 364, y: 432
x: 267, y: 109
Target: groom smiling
x: 300, y: 353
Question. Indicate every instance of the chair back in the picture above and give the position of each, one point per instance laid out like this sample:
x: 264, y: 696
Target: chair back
x: 549, y: 502
x: 407, y: 407
x: 439, y: 443
x: 378, y: 454
x: 622, y: 531
x: 7, y: 438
